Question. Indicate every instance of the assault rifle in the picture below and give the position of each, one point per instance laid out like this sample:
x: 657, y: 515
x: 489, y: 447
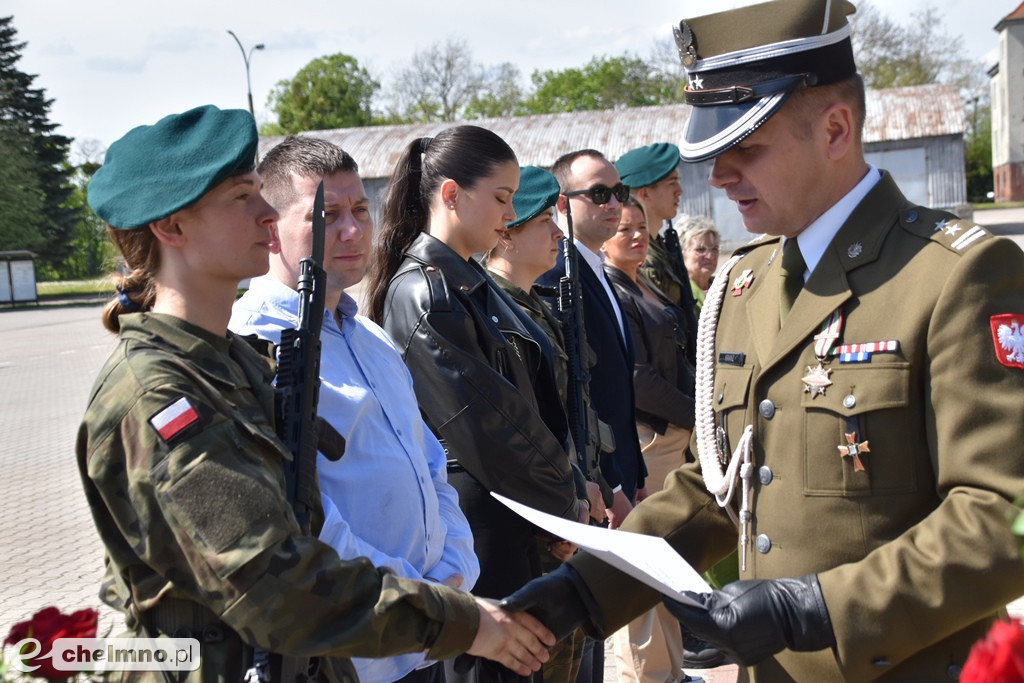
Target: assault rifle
x: 295, y: 399
x: 570, y: 309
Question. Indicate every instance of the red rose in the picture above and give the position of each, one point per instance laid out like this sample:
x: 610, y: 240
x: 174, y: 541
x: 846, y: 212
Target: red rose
x: 999, y: 657
x: 47, y: 625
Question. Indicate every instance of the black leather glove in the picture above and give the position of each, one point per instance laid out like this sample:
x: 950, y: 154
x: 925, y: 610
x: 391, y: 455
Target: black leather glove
x: 561, y: 601
x: 752, y: 620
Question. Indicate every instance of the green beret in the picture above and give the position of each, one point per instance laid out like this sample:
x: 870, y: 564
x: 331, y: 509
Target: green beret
x: 743, y: 64
x: 538, y: 190
x: 156, y: 170
x: 645, y: 166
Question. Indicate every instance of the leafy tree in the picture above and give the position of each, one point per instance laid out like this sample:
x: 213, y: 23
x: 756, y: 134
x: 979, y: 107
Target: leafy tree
x: 21, y: 196
x: 93, y: 254
x: 329, y: 92
x: 26, y: 111
x: 439, y: 85
x: 978, y: 149
x: 501, y: 96
x: 604, y: 83
x: 891, y: 55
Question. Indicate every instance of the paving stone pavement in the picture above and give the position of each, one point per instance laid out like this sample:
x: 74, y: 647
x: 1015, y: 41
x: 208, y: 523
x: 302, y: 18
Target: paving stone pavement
x: 52, y: 554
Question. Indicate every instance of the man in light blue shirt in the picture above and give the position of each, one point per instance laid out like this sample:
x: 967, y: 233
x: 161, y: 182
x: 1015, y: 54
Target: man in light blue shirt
x: 388, y: 498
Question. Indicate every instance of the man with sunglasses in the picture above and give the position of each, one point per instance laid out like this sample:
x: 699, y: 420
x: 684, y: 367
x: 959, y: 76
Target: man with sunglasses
x: 591, y: 197
x: 593, y: 194
x: 859, y: 369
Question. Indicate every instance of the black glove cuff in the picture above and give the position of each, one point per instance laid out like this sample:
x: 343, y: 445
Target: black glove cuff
x: 814, y: 633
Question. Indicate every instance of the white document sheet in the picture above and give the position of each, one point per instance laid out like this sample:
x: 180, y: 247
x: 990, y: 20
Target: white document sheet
x: 649, y: 559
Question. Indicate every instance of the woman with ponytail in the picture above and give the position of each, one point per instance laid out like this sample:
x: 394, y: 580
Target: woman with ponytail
x: 481, y: 368
x: 178, y: 453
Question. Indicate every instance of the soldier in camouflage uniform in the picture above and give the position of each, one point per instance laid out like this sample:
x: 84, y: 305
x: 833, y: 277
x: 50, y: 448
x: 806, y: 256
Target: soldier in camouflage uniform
x: 178, y: 453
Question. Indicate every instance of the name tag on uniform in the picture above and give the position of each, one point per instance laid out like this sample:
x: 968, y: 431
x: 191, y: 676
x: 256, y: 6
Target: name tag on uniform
x: 731, y: 357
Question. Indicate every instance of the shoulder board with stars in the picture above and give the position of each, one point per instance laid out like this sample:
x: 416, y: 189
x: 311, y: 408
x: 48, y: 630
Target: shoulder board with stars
x: 955, y: 234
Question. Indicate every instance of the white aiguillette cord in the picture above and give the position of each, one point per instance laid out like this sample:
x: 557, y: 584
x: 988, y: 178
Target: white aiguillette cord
x: 721, y: 484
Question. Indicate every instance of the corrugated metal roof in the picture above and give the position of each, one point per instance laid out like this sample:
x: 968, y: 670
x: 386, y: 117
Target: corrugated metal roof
x: 895, y: 114
x: 921, y: 111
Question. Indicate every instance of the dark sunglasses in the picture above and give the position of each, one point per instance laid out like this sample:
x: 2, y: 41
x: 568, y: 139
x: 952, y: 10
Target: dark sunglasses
x: 602, y: 194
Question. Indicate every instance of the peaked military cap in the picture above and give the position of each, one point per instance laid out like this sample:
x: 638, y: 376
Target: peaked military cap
x: 645, y: 166
x: 538, y: 190
x: 156, y: 170
x: 743, y: 64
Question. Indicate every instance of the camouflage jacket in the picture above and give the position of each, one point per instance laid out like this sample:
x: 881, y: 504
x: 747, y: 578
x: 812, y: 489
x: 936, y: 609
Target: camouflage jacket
x: 183, y: 473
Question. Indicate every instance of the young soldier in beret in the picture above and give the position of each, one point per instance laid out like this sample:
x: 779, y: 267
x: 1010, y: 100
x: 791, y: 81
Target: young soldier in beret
x: 526, y: 249
x: 652, y: 173
x: 859, y: 363
x: 178, y: 454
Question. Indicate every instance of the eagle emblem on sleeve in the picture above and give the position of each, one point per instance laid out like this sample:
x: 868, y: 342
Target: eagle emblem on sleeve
x: 1008, y: 336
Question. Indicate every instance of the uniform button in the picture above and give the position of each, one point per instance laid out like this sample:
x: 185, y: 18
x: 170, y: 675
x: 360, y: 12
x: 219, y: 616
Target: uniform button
x: 882, y: 662
x: 767, y: 409
x: 721, y: 396
x: 953, y: 672
x: 763, y: 543
x: 849, y: 401
x: 494, y: 318
x: 765, y: 475
x: 912, y: 216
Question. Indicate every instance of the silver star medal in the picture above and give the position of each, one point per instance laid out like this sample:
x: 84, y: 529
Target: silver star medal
x: 816, y: 380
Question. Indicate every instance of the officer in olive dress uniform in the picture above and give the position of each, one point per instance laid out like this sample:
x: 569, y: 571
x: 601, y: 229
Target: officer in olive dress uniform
x: 178, y: 454
x: 861, y: 369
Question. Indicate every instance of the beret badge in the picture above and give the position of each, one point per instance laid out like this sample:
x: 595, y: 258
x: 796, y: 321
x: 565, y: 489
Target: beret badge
x: 686, y: 43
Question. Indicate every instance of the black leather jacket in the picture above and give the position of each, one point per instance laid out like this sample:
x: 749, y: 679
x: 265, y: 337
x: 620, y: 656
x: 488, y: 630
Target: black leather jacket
x: 662, y: 375
x: 478, y: 373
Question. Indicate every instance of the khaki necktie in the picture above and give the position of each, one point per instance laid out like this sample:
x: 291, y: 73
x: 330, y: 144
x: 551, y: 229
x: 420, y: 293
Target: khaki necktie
x: 793, y: 268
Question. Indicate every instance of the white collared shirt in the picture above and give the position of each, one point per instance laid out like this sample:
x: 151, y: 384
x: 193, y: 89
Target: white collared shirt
x: 596, y: 263
x: 816, y: 237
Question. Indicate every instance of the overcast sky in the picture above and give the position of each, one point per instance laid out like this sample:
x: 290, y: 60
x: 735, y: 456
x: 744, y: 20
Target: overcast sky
x: 110, y: 65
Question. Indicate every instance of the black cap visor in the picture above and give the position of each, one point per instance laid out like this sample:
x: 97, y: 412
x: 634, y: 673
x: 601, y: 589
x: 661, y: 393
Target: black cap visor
x: 712, y: 130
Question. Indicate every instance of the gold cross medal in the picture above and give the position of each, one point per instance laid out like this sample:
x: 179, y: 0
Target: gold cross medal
x: 852, y: 449
x: 816, y: 380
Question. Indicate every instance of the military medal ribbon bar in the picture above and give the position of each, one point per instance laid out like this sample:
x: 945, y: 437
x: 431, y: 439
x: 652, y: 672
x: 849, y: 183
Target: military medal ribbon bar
x: 861, y: 353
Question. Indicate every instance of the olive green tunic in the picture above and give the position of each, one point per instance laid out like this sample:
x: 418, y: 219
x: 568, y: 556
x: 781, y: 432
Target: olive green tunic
x: 914, y: 554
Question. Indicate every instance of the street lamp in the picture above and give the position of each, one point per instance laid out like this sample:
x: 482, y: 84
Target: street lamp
x: 247, y: 57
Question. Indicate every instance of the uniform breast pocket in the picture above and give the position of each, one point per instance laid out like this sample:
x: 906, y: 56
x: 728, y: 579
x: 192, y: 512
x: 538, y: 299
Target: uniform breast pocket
x: 860, y: 438
x: 732, y: 385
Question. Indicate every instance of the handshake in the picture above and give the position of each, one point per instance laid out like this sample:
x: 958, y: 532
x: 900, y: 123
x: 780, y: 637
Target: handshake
x: 748, y: 620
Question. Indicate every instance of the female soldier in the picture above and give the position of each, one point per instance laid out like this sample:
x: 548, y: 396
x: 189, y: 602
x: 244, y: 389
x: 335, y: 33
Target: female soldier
x: 650, y: 648
x: 526, y: 249
x: 177, y: 451
x: 479, y: 365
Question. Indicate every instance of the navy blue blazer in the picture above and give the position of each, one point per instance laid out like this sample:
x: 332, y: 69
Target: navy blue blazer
x: 611, y: 379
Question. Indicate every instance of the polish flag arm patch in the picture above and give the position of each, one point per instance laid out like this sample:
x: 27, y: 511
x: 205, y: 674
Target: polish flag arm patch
x: 1008, y: 336
x: 174, y: 419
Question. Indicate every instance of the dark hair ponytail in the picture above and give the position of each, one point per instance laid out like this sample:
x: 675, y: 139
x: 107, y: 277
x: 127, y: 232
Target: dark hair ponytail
x: 464, y: 154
